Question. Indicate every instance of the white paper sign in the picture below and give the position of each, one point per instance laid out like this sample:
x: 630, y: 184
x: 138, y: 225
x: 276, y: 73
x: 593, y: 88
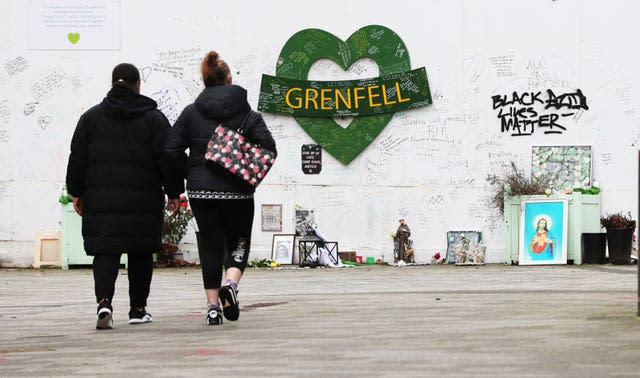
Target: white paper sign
x: 74, y: 25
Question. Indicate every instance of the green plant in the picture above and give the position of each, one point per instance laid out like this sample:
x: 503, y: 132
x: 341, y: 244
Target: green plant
x: 617, y: 220
x: 513, y: 183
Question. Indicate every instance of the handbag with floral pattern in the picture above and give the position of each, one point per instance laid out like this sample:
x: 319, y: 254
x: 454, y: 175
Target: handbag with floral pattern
x: 230, y: 150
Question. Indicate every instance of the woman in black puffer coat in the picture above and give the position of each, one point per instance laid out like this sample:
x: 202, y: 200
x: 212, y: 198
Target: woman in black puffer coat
x: 222, y: 203
x: 116, y: 173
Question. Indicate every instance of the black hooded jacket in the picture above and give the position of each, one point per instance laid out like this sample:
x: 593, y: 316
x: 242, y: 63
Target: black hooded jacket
x: 118, y: 166
x: 220, y: 104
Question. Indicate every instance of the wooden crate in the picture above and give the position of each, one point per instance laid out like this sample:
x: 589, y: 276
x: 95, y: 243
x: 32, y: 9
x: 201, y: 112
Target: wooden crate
x: 47, y: 249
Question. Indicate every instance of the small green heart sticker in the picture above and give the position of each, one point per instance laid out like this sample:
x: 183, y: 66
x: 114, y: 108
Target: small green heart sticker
x: 375, y: 42
x: 73, y: 37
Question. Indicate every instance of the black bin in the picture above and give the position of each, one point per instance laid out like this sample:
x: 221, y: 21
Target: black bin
x: 619, y: 241
x: 594, y: 246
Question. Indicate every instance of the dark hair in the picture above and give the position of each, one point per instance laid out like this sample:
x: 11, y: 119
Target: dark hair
x: 125, y: 75
x: 214, y: 70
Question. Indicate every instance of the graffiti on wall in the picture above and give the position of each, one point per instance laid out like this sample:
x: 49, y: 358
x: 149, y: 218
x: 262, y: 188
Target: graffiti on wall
x: 520, y: 114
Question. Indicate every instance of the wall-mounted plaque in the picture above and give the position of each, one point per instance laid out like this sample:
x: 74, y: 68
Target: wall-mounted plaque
x: 311, y: 159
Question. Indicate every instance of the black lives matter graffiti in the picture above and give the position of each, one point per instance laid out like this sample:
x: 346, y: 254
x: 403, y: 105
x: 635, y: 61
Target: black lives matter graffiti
x: 521, y: 114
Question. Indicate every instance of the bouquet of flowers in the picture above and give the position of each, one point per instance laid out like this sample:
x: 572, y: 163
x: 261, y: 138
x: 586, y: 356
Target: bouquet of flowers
x: 175, y: 226
x: 174, y: 229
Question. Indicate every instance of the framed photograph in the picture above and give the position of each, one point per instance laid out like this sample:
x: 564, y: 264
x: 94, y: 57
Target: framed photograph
x: 271, y: 217
x: 563, y: 166
x: 461, y: 245
x: 282, y: 248
x: 304, y: 222
x: 543, y: 232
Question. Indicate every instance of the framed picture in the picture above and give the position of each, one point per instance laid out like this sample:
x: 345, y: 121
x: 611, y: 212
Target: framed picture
x: 271, y: 217
x: 543, y: 232
x: 282, y: 248
x: 304, y: 222
x: 461, y: 245
x: 562, y: 166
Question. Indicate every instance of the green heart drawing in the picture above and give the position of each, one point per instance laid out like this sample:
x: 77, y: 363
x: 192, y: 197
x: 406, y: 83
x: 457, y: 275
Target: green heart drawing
x: 73, y: 37
x: 375, y: 42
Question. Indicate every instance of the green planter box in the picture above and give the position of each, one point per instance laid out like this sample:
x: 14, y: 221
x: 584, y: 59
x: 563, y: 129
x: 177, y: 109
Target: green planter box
x: 584, y: 216
x: 72, y: 246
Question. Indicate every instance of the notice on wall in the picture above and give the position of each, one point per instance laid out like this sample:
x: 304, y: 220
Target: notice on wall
x: 311, y: 159
x: 74, y: 25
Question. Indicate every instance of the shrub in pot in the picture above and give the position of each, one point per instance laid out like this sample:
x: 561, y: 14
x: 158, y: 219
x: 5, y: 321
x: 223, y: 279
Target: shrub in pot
x: 513, y: 183
x: 620, y: 230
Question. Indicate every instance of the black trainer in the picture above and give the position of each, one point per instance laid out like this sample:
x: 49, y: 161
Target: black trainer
x: 105, y: 315
x: 139, y: 316
x: 214, y: 317
x: 229, y: 300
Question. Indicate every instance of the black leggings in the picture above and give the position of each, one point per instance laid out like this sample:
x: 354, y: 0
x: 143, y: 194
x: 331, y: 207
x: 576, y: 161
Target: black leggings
x: 224, y: 236
x: 139, y: 270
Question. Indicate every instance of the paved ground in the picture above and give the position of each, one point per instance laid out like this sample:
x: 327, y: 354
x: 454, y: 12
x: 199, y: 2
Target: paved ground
x: 371, y: 321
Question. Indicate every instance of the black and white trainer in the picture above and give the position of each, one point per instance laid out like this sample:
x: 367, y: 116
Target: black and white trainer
x: 214, y: 317
x: 229, y: 299
x: 139, y: 316
x: 105, y: 315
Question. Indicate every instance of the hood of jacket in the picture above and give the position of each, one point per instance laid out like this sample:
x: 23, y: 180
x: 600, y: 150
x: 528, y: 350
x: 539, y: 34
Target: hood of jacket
x: 123, y: 103
x: 221, y: 102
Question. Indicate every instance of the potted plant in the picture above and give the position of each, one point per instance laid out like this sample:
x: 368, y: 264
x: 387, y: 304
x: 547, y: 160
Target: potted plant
x: 620, y: 230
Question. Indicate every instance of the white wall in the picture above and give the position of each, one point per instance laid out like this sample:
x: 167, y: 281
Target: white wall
x: 428, y: 165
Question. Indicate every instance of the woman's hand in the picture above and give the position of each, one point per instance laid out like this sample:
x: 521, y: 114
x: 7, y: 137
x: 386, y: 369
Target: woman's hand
x: 77, y: 205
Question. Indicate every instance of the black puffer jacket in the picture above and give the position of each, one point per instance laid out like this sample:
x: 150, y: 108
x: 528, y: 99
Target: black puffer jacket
x: 220, y: 104
x: 118, y: 166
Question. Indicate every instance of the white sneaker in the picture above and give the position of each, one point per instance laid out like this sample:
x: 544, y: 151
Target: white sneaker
x: 139, y: 316
x: 105, y: 316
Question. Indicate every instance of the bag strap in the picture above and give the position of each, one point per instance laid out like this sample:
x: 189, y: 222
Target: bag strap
x: 244, y: 121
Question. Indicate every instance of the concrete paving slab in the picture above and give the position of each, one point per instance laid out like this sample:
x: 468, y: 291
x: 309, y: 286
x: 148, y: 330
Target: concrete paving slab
x: 369, y: 321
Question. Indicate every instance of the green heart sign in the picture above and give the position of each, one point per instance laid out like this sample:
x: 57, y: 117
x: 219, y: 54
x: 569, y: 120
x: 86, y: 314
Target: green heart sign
x: 73, y: 37
x: 375, y: 42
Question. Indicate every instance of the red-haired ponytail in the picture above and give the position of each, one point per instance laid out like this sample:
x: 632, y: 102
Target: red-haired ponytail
x: 214, y: 70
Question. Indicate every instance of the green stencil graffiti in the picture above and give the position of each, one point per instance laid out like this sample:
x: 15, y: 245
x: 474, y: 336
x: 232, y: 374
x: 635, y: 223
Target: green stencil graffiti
x: 73, y: 37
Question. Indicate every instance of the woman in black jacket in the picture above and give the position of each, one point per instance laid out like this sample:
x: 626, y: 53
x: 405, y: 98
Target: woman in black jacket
x: 222, y: 203
x: 116, y: 174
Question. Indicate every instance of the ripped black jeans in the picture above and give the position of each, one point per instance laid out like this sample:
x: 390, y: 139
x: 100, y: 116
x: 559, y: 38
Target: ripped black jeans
x: 224, y: 236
